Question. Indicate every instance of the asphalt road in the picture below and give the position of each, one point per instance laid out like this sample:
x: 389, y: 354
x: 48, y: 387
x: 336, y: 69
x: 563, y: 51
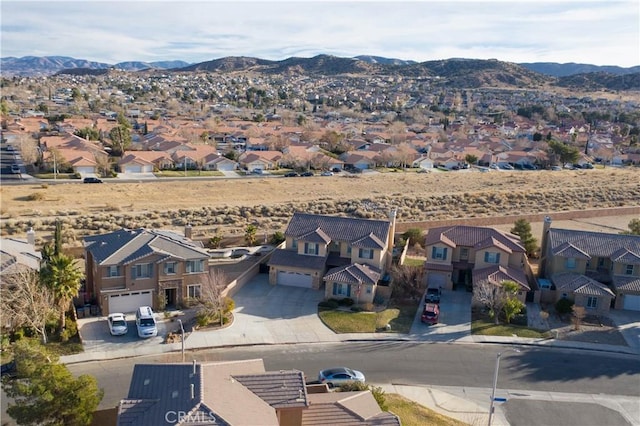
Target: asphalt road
x: 535, y: 369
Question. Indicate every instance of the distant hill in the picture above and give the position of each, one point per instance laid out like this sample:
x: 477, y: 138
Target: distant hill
x: 455, y: 72
x: 563, y: 70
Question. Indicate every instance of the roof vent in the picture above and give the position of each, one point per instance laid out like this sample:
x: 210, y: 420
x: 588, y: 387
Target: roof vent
x: 175, y: 393
x: 193, y: 391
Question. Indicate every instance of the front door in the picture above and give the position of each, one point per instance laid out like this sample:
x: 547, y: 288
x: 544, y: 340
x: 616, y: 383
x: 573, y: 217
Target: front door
x: 170, y: 297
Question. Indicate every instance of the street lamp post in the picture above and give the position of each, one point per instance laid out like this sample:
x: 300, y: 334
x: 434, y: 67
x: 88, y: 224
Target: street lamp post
x: 182, y: 338
x: 495, y: 381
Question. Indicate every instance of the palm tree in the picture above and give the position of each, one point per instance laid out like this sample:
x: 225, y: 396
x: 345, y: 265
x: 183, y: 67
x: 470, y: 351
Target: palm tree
x: 63, y: 277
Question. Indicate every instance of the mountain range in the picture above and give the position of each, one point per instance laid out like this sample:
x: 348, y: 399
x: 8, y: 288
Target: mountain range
x: 458, y: 72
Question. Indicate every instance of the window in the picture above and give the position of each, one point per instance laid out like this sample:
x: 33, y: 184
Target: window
x: 369, y: 289
x: 365, y: 254
x: 194, y: 266
x: 464, y: 253
x: 311, y: 248
x: 341, y: 290
x: 193, y: 291
x: 439, y: 253
x: 571, y: 263
x: 294, y: 244
x: 592, y: 302
x: 349, y: 250
x: 142, y: 270
x: 628, y: 270
x: 491, y: 257
x: 170, y: 268
x: 113, y: 271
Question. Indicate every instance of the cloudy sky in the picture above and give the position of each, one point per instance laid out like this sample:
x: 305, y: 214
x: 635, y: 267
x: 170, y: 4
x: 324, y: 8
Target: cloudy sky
x: 600, y: 32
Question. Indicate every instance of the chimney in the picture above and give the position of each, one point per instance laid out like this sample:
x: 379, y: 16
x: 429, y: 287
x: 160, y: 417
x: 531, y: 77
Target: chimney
x: 31, y: 237
x: 188, y: 230
x: 546, y: 226
x: 392, y: 235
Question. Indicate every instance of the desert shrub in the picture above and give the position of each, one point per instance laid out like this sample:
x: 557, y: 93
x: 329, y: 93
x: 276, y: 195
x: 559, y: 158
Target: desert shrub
x: 415, y: 236
x: 356, y: 309
x: 228, y: 305
x: 277, y: 238
x: 368, y: 307
x: 36, y: 196
x: 44, y: 186
x: 331, y: 304
x: 203, y: 318
x: 564, y: 306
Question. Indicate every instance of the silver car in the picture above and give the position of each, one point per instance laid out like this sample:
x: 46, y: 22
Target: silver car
x: 117, y: 324
x: 340, y: 375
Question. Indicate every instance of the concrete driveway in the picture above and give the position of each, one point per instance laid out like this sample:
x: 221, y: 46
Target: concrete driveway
x: 454, y: 322
x: 628, y: 323
x: 267, y: 314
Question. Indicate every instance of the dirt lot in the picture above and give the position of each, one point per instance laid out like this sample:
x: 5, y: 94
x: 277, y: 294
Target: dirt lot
x: 227, y: 205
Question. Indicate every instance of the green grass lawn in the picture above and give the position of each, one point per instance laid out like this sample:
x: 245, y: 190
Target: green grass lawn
x: 486, y: 327
x: 190, y: 173
x: 412, y: 261
x: 413, y: 414
x: 398, y: 315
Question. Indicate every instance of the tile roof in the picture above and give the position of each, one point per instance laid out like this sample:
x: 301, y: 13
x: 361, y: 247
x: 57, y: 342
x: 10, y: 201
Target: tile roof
x: 280, y: 389
x: 346, y: 409
x: 351, y: 230
x: 290, y: 258
x: 127, y: 245
x: 596, y: 244
x: 470, y: 236
x: 626, y: 283
x: 355, y: 273
x: 433, y: 266
x: 14, y: 252
x: 315, y: 236
x: 497, y: 274
x: 580, y: 284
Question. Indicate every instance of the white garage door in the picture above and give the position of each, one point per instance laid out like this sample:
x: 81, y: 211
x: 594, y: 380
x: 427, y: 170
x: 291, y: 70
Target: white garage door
x: 295, y: 279
x: 631, y: 302
x: 437, y: 280
x: 130, y: 302
x: 85, y: 170
x: 226, y: 167
x: 133, y: 168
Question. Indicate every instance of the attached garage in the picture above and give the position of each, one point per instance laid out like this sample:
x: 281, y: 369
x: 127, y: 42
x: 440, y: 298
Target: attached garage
x: 437, y: 280
x: 295, y: 279
x: 130, y: 302
x: 137, y: 168
x: 85, y: 170
x: 226, y: 166
x: 631, y: 302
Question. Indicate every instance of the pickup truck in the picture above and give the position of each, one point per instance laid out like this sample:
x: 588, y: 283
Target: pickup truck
x: 432, y: 295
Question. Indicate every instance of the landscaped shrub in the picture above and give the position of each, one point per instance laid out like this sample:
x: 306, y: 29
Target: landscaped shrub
x: 228, y: 305
x: 331, y: 304
x: 356, y: 309
x: 347, y: 301
x: 563, y: 306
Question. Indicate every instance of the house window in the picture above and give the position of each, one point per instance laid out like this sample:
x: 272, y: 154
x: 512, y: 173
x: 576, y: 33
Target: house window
x: 464, y: 253
x: 341, y: 290
x: 365, y: 254
x: 491, y: 257
x: 349, y: 250
x: 571, y: 263
x: 170, y: 268
x: 141, y: 270
x: 369, y: 289
x: 592, y: 302
x: 294, y: 244
x: 193, y: 291
x: 194, y: 266
x: 113, y: 271
x: 439, y: 253
x: 628, y: 270
x: 311, y: 248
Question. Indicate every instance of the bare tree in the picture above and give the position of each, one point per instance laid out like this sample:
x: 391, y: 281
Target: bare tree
x: 496, y: 297
x: 26, y: 302
x: 407, y: 280
x: 577, y: 316
x: 210, y: 302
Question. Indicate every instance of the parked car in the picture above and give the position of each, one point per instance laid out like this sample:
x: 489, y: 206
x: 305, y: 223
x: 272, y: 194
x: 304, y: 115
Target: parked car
x: 556, y: 168
x: 587, y: 166
x: 340, y: 375
x: 15, y: 168
x: 146, y: 322
x: 117, y: 324
x: 290, y: 174
x: 326, y: 173
x: 430, y: 313
x: 307, y: 174
x: 507, y: 167
x: 494, y: 166
x: 433, y: 295
x: 256, y: 171
x: 92, y: 180
x: 336, y: 170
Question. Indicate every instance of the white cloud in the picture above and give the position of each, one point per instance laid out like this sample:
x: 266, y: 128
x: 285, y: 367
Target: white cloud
x: 598, y: 32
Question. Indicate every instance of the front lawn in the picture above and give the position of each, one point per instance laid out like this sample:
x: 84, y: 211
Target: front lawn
x: 486, y: 327
x: 398, y: 315
x: 413, y: 414
x: 190, y: 173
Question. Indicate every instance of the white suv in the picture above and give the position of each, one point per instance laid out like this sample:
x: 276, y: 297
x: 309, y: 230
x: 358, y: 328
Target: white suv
x: 146, y: 322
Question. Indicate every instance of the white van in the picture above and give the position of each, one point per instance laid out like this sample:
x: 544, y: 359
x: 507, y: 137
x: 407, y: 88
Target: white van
x: 146, y: 322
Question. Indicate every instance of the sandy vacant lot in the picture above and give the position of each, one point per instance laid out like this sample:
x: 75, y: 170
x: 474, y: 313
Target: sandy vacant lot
x: 228, y: 205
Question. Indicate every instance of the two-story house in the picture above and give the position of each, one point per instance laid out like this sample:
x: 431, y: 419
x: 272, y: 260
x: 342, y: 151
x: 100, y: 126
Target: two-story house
x: 592, y: 268
x: 17, y: 254
x: 469, y: 255
x: 348, y: 255
x: 130, y: 268
x: 240, y: 393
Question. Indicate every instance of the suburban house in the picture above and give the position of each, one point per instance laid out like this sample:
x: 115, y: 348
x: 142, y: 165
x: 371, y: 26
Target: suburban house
x: 240, y: 393
x: 262, y: 160
x: 349, y: 255
x: 592, y: 268
x: 129, y: 268
x: 79, y: 154
x: 16, y: 254
x: 471, y: 255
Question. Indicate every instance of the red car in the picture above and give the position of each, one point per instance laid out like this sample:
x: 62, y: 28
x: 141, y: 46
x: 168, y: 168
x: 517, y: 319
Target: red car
x: 430, y: 314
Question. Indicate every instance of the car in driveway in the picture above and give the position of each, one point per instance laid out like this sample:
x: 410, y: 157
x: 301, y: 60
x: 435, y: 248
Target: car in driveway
x: 15, y: 168
x: 290, y: 174
x: 432, y: 295
x: 92, y: 180
x: 117, y: 324
x: 327, y: 173
x: 306, y: 174
x: 340, y: 375
x: 430, y: 313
